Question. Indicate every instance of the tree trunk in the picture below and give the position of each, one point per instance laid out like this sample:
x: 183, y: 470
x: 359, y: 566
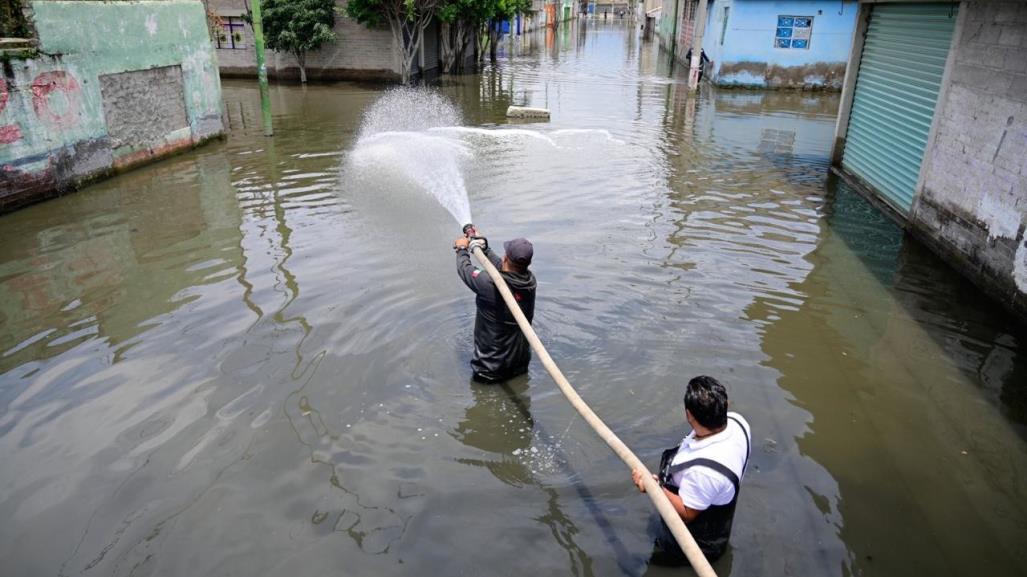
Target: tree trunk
x: 398, y: 38
x: 447, y: 46
x: 416, y: 38
x: 480, y: 40
x: 460, y: 44
x: 301, y: 57
x: 493, y: 41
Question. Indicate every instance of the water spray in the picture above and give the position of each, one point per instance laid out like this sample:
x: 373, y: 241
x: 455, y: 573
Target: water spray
x: 398, y: 132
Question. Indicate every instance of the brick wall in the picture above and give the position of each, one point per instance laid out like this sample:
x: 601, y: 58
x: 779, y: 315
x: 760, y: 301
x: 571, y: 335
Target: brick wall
x: 686, y: 30
x: 685, y: 11
x: 358, y: 52
x: 973, y: 201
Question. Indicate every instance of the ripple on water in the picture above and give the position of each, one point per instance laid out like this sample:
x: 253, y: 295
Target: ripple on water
x: 253, y: 357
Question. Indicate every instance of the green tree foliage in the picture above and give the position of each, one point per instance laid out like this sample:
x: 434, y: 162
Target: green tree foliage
x: 460, y: 20
x: 298, y: 27
x: 501, y: 10
x: 406, y: 19
x: 12, y: 20
x: 506, y: 9
x: 466, y: 20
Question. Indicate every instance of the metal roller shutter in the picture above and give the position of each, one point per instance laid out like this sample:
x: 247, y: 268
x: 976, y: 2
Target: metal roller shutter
x: 896, y: 91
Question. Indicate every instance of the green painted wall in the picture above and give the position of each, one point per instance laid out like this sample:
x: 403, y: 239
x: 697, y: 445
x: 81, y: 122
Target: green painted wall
x: 52, y: 120
x: 665, y: 28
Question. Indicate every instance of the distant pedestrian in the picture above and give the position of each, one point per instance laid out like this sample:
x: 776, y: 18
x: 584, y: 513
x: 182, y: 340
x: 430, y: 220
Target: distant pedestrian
x: 702, y: 476
x: 703, y: 59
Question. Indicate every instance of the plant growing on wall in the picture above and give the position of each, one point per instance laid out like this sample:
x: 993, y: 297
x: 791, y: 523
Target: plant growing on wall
x: 12, y: 20
x: 407, y: 20
x: 297, y: 27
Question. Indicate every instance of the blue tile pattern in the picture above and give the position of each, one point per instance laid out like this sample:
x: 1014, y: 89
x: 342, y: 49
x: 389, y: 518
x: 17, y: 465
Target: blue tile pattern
x: 793, y: 32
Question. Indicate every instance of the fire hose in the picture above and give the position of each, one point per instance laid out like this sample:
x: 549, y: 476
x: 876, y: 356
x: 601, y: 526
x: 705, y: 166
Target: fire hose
x: 652, y: 488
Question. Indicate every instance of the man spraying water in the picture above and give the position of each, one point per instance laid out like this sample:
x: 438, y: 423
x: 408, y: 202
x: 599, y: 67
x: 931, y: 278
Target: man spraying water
x: 500, y: 349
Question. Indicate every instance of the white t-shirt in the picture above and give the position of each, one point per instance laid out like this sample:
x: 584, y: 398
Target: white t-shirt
x: 700, y: 486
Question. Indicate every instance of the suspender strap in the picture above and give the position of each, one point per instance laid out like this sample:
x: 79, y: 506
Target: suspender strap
x: 709, y: 464
x: 718, y: 467
x: 745, y: 433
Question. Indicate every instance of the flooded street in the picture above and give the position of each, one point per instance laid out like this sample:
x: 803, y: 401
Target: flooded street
x: 252, y: 359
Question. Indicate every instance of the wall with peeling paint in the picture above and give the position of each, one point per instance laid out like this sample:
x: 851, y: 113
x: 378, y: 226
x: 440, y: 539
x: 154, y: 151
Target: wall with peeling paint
x: 665, y: 28
x: 972, y: 205
x: 676, y: 36
x: 740, y: 41
x: 95, y: 59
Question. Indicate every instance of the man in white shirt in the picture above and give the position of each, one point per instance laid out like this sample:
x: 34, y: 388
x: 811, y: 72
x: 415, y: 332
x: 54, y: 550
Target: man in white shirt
x: 701, y: 477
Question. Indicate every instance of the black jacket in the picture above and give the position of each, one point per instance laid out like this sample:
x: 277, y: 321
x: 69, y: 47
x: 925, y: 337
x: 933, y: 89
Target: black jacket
x: 500, y: 349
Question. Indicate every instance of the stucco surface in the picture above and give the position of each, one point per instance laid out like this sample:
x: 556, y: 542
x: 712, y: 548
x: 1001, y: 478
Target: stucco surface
x: 143, y: 107
x: 739, y: 41
x: 53, y: 126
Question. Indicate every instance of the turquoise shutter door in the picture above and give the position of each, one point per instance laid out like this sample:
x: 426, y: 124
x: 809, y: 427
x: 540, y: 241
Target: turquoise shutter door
x: 896, y: 92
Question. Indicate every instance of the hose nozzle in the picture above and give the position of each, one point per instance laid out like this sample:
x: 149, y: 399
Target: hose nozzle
x: 470, y: 230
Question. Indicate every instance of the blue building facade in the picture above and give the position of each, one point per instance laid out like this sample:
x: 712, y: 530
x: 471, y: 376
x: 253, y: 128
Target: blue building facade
x: 779, y: 44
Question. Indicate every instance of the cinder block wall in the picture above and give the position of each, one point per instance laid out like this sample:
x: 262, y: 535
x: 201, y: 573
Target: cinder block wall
x: 973, y: 202
x: 112, y: 84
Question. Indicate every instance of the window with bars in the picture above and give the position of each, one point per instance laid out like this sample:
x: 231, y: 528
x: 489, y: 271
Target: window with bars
x: 793, y: 32
x: 230, y: 35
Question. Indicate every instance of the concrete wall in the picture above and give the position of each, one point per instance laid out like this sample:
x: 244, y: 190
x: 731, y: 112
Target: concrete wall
x: 359, y: 53
x: 666, y: 22
x: 112, y: 84
x: 972, y: 205
x: 743, y: 51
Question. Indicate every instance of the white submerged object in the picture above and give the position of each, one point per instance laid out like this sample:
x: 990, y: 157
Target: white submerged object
x: 527, y: 112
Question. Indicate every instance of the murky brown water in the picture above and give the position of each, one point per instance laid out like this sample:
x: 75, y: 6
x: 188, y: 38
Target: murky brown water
x: 242, y: 361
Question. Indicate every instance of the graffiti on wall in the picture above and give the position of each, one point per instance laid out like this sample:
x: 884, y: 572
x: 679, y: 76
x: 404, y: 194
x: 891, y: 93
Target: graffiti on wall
x: 8, y: 132
x: 56, y: 99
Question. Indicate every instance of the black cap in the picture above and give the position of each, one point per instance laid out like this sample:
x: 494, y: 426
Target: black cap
x: 519, y: 251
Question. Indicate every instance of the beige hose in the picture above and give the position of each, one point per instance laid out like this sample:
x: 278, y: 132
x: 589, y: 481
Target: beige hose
x: 652, y: 488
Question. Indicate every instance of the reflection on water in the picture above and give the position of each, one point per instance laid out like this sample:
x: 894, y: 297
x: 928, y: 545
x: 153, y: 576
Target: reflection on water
x: 910, y: 382
x: 244, y: 360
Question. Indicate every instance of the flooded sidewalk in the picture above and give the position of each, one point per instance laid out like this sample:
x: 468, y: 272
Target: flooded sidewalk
x: 252, y: 358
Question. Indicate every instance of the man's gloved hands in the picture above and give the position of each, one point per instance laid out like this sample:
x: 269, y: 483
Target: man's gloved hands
x: 478, y: 242
x: 471, y: 240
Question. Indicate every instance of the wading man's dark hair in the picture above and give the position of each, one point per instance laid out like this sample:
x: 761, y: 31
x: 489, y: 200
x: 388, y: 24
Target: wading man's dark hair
x: 706, y: 399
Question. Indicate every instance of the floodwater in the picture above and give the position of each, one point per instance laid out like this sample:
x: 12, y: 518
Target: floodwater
x: 252, y: 359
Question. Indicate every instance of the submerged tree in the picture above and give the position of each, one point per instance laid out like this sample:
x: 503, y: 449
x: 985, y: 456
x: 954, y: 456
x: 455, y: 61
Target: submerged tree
x: 455, y: 32
x: 298, y: 27
x: 473, y: 22
x: 500, y: 10
x: 407, y: 20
